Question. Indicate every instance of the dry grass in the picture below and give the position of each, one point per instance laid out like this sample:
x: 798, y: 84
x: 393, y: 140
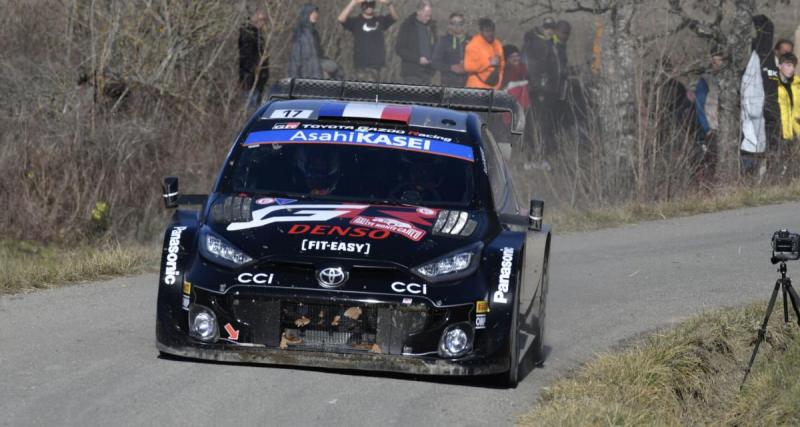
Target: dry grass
x: 686, y: 376
x: 28, y: 266
x: 723, y: 199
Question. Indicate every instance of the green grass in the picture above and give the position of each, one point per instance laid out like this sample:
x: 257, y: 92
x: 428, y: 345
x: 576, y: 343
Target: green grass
x: 721, y: 199
x: 689, y: 375
x: 26, y: 266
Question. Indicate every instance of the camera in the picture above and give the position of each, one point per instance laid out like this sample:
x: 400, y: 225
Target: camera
x: 785, y: 246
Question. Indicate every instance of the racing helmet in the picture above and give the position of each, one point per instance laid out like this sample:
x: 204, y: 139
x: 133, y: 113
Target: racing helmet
x: 319, y: 168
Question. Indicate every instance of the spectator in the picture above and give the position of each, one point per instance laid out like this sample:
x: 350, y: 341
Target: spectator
x: 563, y: 110
x: 253, y: 59
x: 369, y: 47
x: 754, y: 138
x: 789, y: 98
x: 770, y: 76
x: 515, y: 75
x: 561, y: 36
x: 306, y: 54
x: 543, y: 81
x: 484, y: 61
x: 706, y: 101
x: 415, y: 45
x: 331, y: 70
x: 515, y: 79
x: 448, y: 54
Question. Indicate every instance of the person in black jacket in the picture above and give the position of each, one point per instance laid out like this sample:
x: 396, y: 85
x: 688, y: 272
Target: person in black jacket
x: 253, y: 59
x: 306, y: 54
x: 544, y: 75
x: 368, y: 28
x: 448, y: 54
x: 415, y: 45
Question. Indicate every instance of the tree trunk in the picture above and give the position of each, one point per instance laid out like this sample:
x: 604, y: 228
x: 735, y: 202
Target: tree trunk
x: 617, y: 95
x: 738, y: 48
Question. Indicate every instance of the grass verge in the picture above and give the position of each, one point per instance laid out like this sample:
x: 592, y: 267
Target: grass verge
x: 629, y: 213
x: 27, y: 266
x: 689, y: 375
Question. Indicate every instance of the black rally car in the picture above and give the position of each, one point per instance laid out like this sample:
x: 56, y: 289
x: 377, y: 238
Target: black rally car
x: 361, y: 226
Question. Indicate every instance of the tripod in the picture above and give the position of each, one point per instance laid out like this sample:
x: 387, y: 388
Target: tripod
x: 785, y: 285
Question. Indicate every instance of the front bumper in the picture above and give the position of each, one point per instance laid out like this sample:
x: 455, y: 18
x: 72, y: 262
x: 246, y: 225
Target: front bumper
x: 368, y: 362
x: 406, y: 338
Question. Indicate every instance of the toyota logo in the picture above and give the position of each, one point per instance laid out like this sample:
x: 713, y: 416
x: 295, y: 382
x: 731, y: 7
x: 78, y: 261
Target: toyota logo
x: 331, y: 277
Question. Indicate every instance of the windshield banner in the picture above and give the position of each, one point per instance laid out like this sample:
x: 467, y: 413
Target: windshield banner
x: 377, y: 139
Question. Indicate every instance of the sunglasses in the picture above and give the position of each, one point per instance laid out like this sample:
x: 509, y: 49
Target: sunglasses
x: 457, y: 23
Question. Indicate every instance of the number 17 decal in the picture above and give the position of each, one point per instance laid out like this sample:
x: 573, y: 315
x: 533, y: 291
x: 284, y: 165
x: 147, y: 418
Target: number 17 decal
x: 291, y: 114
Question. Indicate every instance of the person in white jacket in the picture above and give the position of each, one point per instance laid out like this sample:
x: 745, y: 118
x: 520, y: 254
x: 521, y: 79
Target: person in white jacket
x: 754, y: 141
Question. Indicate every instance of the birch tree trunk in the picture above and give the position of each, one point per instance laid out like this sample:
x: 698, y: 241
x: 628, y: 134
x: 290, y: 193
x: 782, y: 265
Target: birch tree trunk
x: 738, y: 48
x: 617, y: 97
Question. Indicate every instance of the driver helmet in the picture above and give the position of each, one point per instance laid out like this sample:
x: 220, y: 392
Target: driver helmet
x: 423, y: 170
x: 319, y: 167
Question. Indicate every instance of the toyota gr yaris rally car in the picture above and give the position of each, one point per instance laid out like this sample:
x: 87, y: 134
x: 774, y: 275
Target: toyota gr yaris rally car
x: 360, y: 235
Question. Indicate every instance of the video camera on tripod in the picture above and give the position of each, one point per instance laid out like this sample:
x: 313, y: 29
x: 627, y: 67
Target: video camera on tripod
x: 785, y: 247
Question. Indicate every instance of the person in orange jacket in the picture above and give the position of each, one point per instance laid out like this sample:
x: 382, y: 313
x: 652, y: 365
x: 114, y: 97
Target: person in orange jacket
x: 484, y: 61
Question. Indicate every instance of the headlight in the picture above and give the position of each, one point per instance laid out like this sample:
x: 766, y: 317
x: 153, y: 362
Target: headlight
x: 459, y: 264
x: 220, y: 251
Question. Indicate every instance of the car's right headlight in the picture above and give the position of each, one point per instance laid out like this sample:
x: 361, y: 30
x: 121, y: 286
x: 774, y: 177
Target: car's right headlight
x: 220, y: 251
x: 452, y: 266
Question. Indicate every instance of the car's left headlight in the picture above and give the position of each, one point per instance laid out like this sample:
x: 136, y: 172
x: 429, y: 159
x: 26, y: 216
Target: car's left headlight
x: 220, y: 251
x: 452, y: 266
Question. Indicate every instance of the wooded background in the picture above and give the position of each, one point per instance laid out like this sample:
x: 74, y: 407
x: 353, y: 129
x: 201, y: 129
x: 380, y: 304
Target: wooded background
x: 101, y: 98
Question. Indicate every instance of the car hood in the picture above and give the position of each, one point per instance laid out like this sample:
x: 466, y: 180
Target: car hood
x: 400, y: 235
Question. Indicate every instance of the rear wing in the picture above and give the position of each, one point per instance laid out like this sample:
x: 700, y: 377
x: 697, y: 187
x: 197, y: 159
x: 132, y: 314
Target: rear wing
x: 478, y: 100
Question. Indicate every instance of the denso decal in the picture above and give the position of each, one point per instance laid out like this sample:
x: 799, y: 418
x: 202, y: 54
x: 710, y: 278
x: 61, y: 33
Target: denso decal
x: 349, y: 247
x: 410, y: 288
x: 256, y: 278
x: 402, y: 228
x: 171, y: 268
x: 505, y: 275
x: 336, y: 231
x: 296, y: 213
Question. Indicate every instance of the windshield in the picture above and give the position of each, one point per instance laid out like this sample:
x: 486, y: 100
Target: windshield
x: 354, y: 166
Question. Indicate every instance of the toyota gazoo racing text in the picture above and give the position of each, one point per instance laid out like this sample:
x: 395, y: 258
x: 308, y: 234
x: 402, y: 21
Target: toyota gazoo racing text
x: 357, y: 235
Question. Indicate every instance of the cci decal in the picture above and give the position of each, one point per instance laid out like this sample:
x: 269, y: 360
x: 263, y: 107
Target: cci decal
x: 257, y: 278
x: 402, y: 228
x: 480, y: 321
x: 318, y: 245
x: 171, y: 268
x: 371, y: 139
x: 410, y: 288
x: 505, y: 274
x: 335, y: 231
x: 296, y: 213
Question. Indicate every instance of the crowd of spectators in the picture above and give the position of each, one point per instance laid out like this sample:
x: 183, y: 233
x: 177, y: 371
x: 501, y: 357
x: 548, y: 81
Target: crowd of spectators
x: 535, y: 74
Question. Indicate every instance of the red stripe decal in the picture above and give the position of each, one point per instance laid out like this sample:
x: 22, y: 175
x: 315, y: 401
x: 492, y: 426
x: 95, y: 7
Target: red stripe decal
x: 396, y: 113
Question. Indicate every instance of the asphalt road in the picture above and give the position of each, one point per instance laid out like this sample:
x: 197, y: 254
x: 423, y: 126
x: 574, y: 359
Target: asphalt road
x: 85, y: 354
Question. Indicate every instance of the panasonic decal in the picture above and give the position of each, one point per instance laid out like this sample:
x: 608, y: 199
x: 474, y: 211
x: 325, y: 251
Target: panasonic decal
x: 505, y: 274
x: 171, y: 267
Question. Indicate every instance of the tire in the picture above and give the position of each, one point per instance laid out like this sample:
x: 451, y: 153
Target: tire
x: 510, y: 379
x: 538, y: 344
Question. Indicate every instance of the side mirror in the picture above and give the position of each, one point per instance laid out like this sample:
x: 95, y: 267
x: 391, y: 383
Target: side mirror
x: 536, y: 214
x: 170, y: 193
